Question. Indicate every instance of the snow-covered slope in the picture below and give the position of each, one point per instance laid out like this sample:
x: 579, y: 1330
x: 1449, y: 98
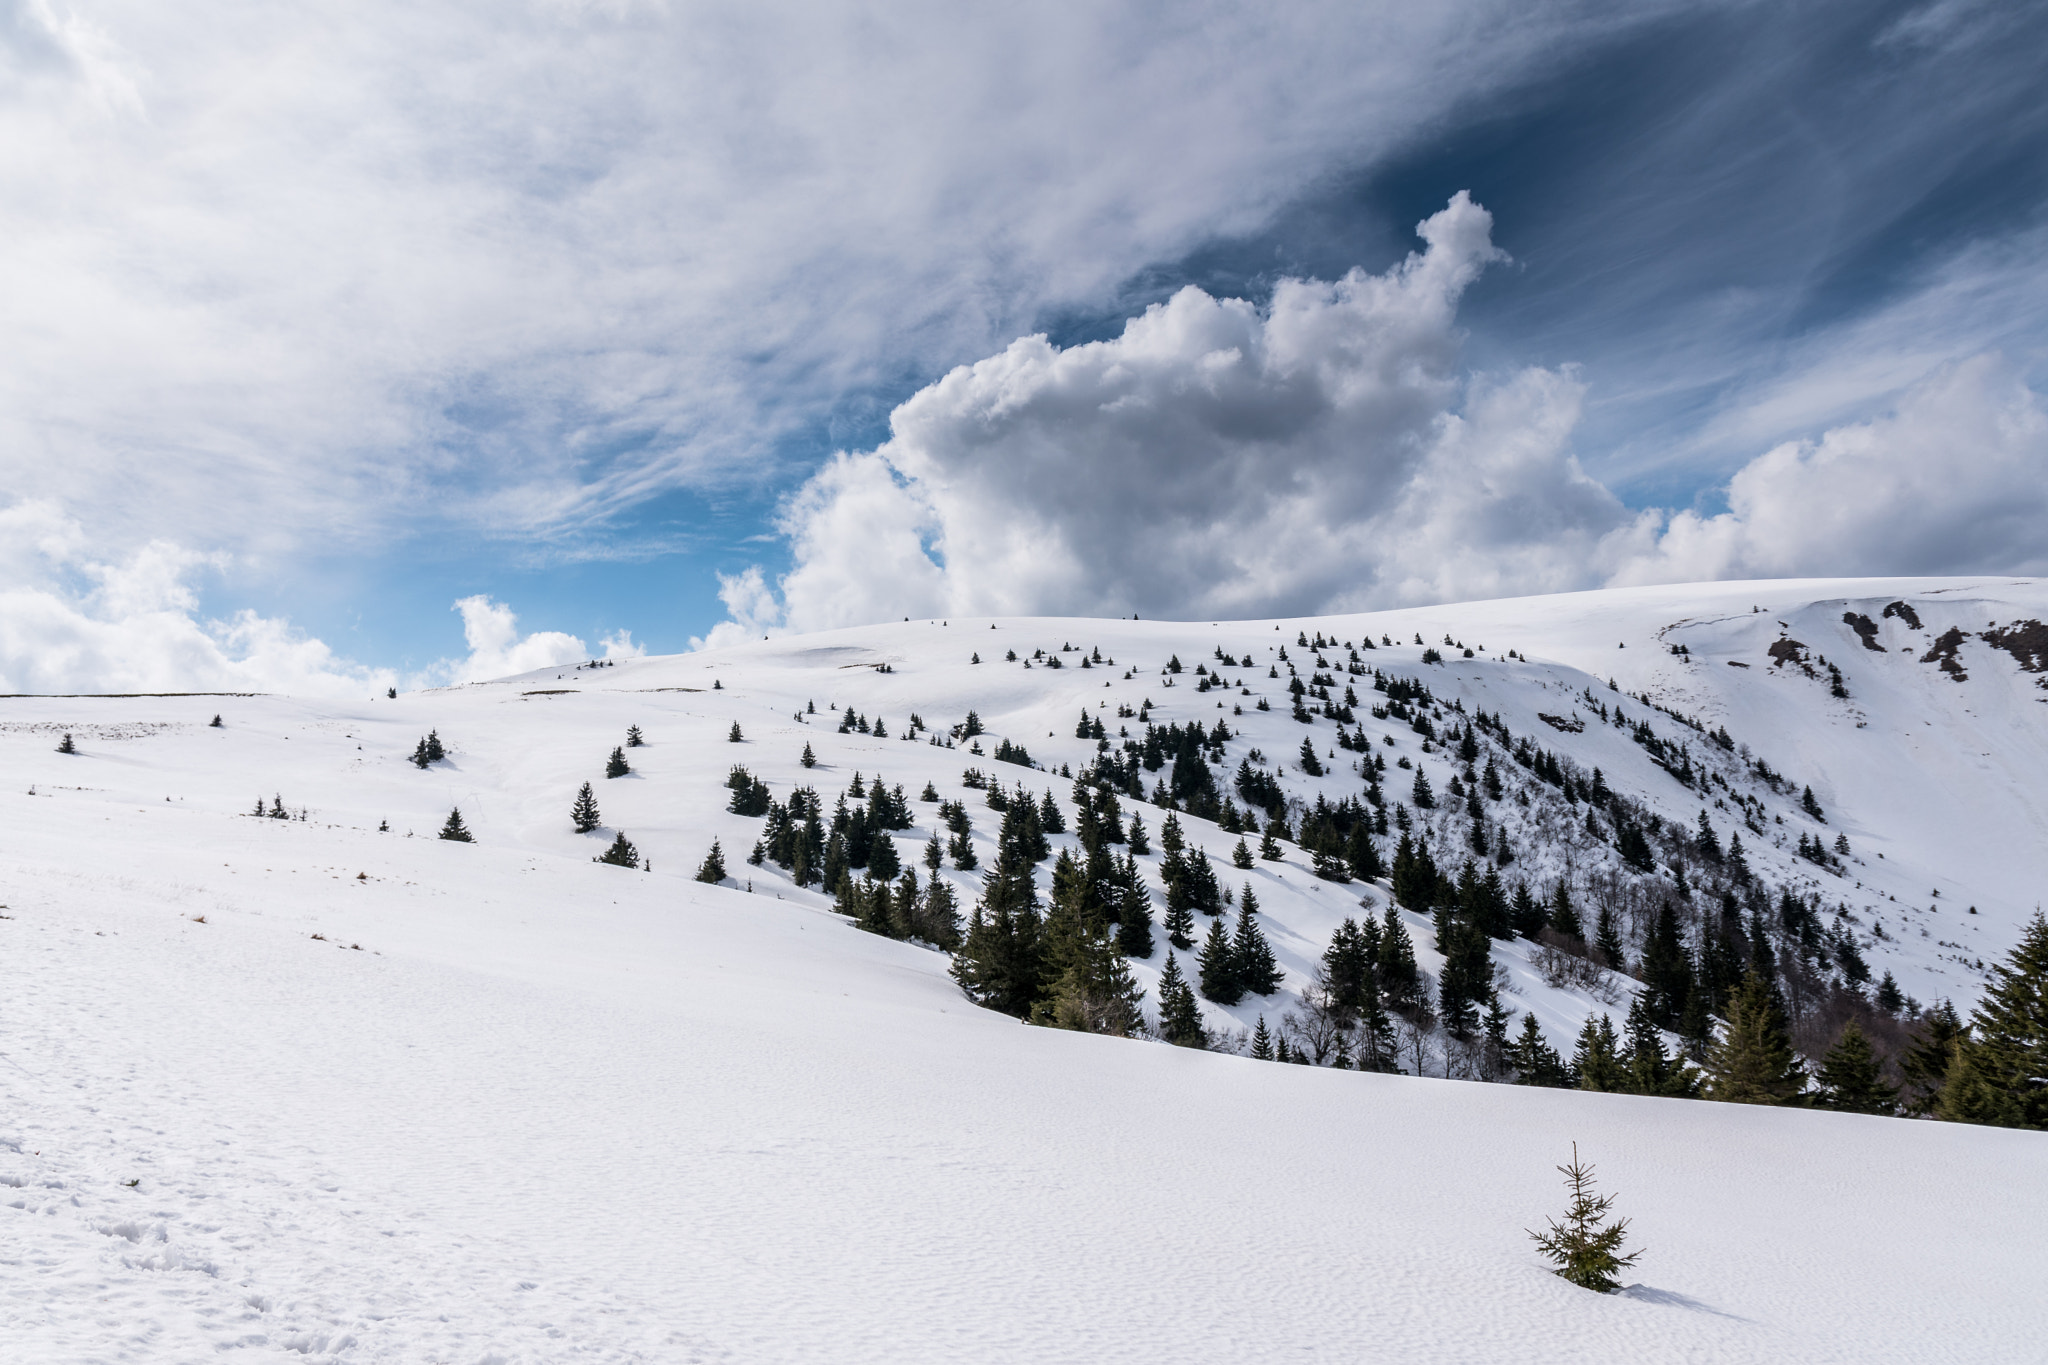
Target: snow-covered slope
x: 387, y: 1097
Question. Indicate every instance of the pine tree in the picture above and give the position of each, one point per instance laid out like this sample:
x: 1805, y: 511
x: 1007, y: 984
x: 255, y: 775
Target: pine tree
x: 1180, y: 1017
x: 620, y: 854
x: 1607, y: 940
x: 419, y: 753
x: 1180, y: 924
x: 1587, y: 1248
x: 1310, y: 764
x: 883, y: 861
x: 1564, y: 916
x: 1262, y: 1041
x: 712, y: 869
x: 1933, y: 1051
x: 734, y: 734
x: 1252, y: 961
x: 1811, y: 806
x: 215, y: 722
x: 1133, y: 907
x: 633, y: 739
x: 1269, y: 847
x: 1422, y: 797
x: 1752, y: 1061
x: 1596, y: 1060
x: 584, y: 812
x: 1138, y: 841
x: 616, y: 765
x: 1535, y: 1061
x: 65, y: 746
x: 435, y: 753
x: 1241, y: 856
x: 1850, y: 1080
x: 1218, y: 967
x: 2001, y: 1071
x: 1667, y: 970
x: 1095, y: 993
x: 808, y: 759
x: 1650, y: 1071
x: 454, y: 828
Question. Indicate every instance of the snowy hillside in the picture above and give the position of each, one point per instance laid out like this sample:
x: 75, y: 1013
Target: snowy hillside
x: 385, y: 1096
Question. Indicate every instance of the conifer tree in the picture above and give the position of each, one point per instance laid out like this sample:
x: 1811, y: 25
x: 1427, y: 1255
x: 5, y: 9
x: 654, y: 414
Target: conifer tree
x: 1587, y: 1248
x: 633, y: 739
x: 1269, y: 847
x: 1850, y: 1078
x: 1535, y: 1061
x: 1262, y: 1041
x: 1596, y: 1060
x: 1363, y: 854
x: 435, y: 753
x: 1650, y: 1071
x: 1752, y: 1062
x: 1218, y: 968
x: 616, y: 765
x: 1564, y: 916
x: 712, y: 869
x: 1927, y: 1061
x: 65, y: 746
x: 1607, y: 940
x: 419, y: 753
x: 1180, y: 924
x: 733, y: 735
x: 454, y: 828
x: 1180, y: 1017
x: 1241, y: 856
x: 584, y: 812
x: 883, y: 860
x: 1399, y: 978
x: 1310, y: 764
x: 1133, y: 907
x: 810, y: 759
x: 1421, y: 796
x: 620, y: 854
x: 2001, y: 1071
x: 934, y: 853
x: 1095, y: 993
x: 1252, y: 961
x: 1667, y: 970
x: 1138, y: 841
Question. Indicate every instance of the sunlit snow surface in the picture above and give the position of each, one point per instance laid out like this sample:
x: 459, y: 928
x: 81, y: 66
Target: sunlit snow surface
x: 511, y: 1105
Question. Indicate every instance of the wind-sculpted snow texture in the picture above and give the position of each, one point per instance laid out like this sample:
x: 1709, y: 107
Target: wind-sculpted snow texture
x: 280, y: 1090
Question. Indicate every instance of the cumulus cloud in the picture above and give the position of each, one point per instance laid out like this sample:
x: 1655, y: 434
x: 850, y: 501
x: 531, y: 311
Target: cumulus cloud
x: 1953, y: 480
x: 1328, y: 452
x: 71, y: 622
x: 1217, y: 458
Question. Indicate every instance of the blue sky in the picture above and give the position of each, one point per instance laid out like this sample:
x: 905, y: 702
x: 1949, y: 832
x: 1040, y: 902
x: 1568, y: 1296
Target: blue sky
x: 370, y: 310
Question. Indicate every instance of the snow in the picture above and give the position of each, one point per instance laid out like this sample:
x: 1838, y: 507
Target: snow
x: 512, y: 1105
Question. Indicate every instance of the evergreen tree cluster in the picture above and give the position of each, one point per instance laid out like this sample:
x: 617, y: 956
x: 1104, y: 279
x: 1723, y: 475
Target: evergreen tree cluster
x: 428, y: 751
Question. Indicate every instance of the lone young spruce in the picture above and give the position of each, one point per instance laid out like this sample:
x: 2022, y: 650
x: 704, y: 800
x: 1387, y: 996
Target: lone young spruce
x: 454, y: 828
x: 584, y: 812
x: 1585, y: 1246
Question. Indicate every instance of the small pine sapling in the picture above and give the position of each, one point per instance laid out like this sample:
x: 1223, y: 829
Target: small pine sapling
x: 712, y: 870
x: 809, y: 759
x: 734, y: 734
x: 454, y: 829
x: 584, y: 812
x: 633, y: 739
x: 620, y: 854
x: 65, y: 746
x: 1585, y: 1246
x: 214, y: 724
x: 616, y: 765
x: 435, y: 753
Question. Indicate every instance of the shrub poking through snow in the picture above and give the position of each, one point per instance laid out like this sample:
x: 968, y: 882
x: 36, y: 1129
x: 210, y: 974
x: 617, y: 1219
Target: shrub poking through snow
x: 712, y: 869
x: 454, y: 829
x: 1585, y: 1246
x: 620, y: 854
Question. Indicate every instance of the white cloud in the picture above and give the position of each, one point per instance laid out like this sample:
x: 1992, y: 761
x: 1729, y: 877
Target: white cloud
x: 497, y: 649
x: 1215, y: 459
x: 70, y: 622
x: 1954, y: 480
x: 1328, y: 452
x: 278, y: 286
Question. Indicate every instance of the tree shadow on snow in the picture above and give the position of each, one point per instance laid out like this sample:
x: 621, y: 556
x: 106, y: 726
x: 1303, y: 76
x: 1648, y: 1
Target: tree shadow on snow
x: 1671, y: 1298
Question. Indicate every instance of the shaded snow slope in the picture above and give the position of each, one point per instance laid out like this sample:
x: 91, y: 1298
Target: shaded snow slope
x: 549, y: 1110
